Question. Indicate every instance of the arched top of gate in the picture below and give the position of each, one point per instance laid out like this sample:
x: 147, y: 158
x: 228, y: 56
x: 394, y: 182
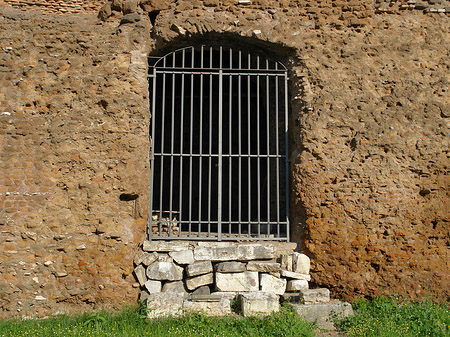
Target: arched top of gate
x: 216, y: 58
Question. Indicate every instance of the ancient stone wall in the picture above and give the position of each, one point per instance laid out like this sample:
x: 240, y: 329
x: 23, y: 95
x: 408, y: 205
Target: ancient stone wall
x: 369, y: 122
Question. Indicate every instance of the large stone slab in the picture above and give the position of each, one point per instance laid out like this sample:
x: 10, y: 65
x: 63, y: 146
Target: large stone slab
x: 323, y: 314
x: 165, y: 271
x: 230, y: 267
x: 272, y: 284
x: 259, y: 303
x: 209, y: 308
x: 311, y: 296
x: 176, y: 287
x: 164, y: 304
x: 264, y: 266
x: 245, y: 281
x: 139, y: 271
x: 297, y: 276
x: 202, y: 280
x: 296, y: 285
x: 145, y: 258
x: 199, y: 268
x: 237, y: 253
x: 153, y: 287
x: 165, y: 246
x: 301, y: 263
x: 183, y: 256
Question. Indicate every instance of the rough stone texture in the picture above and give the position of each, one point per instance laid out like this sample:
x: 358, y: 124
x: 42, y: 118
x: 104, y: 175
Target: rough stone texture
x: 301, y: 263
x: 153, y: 286
x: 312, y: 296
x: 272, y: 284
x: 297, y: 276
x: 199, y: 268
x: 164, y: 271
x: 202, y: 280
x: 262, y: 266
x: 165, y: 246
x: 145, y: 258
x: 176, y: 287
x: 204, y: 290
x: 164, y: 304
x: 230, y: 267
x: 240, y: 252
x: 209, y: 308
x: 295, y: 285
x: 246, y: 281
x: 369, y: 130
x: 183, y: 257
x: 139, y: 271
x: 259, y: 303
x: 323, y: 314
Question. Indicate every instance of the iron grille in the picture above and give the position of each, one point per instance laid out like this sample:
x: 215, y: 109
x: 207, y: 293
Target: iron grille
x: 219, y: 136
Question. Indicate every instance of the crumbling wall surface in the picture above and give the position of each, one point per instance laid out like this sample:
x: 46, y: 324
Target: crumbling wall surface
x: 74, y: 162
x: 369, y: 126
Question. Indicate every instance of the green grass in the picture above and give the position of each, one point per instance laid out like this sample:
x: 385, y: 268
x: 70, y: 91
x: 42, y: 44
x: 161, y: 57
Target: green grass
x: 385, y: 317
x: 131, y: 322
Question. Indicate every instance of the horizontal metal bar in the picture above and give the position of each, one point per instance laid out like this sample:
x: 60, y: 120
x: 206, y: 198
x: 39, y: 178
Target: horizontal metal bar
x: 214, y: 238
x: 225, y: 73
x: 207, y: 155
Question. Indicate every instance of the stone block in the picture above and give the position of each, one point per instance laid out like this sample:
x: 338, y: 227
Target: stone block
x: 297, y: 276
x: 227, y: 294
x: 176, y: 287
x: 149, y: 258
x: 312, y: 296
x: 209, y: 308
x: 286, y: 261
x: 323, y: 314
x: 199, y: 268
x: 183, y: 257
x: 139, y: 271
x: 301, y: 263
x: 296, y: 285
x: 202, y: 280
x: 259, y: 303
x: 230, y: 267
x: 245, y: 281
x: 164, y: 271
x: 143, y: 296
x: 153, y: 287
x: 272, y: 284
x: 164, y: 304
x: 238, y: 253
x: 263, y: 266
x: 203, y: 290
x: 165, y: 246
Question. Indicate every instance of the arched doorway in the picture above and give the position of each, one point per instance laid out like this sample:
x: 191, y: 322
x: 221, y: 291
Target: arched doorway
x: 219, y: 136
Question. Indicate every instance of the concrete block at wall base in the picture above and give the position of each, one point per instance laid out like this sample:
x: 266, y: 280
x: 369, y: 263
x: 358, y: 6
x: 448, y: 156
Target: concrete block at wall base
x: 230, y: 267
x: 153, y: 287
x: 164, y: 304
x: 297, y: 276
x: 209, y: 308
x: 183, y: 257
x: 272, y: 284
x: 246, y: 281
x: 259, y: 303
x: 236, y: 253
x: 176, y: 287
x: 301, y: 263
x: 168, y: 271
x: 311, y: 296
x: 264, y: 267
x: 296, y: 285
x: 202, y: 280
x: 324, y: 313
x: 199, y: 268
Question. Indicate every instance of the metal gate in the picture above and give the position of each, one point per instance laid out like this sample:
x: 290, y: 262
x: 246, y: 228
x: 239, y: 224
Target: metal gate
x: 219, y: 135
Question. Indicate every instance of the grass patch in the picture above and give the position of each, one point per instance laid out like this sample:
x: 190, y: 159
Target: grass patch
x: 395, y: 317
x: 131, y: 322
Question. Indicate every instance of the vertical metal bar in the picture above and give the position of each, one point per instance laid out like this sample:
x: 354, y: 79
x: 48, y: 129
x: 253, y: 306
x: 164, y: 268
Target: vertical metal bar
x: 249, y: 150
x: 191, y: 131
x: 210, y: 142
x: 180, y: 201
x: 163, y: 117
x: 200, y: 177
x: 171, y: 150
x: 230, y: 145
x: 268, y: 146
x: 152, y: 156
x: 240, y: 147
x: 219, y: 168
x: 286, y: 129
x: 277, y: 146
x: 258, y: 159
